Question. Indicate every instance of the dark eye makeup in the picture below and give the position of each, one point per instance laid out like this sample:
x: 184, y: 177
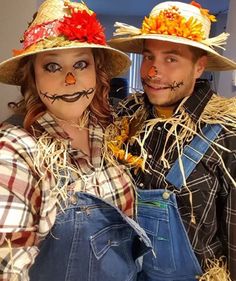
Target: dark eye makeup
x: 80, y: 65
x: 52, y: 67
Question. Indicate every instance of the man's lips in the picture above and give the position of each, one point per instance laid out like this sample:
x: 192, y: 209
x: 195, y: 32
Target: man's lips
x: 156, y: 87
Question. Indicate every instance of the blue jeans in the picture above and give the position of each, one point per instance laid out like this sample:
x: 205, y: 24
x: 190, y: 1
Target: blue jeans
x: 175, y: 260
x: 90, y: 241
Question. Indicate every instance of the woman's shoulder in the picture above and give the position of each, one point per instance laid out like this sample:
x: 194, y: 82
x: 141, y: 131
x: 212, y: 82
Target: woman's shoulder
x: 15, y: 137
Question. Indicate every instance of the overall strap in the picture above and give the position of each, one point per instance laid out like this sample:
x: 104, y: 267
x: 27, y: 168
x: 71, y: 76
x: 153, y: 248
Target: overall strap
x: 192, y: 154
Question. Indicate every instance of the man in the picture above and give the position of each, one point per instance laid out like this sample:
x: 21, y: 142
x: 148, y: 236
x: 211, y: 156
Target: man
x: 185, y: 136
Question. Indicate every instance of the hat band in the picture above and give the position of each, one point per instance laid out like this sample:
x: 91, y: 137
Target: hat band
x: 39, y: 32
x: 79, y: 26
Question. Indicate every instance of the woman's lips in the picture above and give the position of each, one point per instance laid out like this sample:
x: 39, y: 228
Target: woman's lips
x: 69, y: 98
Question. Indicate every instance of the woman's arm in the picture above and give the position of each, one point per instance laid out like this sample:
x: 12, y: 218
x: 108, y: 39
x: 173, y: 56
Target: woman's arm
x: 20, y: 204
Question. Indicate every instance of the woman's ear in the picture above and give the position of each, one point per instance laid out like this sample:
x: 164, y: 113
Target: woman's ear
x: 200, y: 66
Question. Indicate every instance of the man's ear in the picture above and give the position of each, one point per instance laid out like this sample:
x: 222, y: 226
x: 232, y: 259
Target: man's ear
x: 200, y: 66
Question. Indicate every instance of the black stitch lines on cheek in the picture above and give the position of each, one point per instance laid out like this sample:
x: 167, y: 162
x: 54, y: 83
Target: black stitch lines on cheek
x: 173, y: 86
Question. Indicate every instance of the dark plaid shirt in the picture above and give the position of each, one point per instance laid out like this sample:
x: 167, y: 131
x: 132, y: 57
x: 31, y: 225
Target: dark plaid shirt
x: 214, y: 195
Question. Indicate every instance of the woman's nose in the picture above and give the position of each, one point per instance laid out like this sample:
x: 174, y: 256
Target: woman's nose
x: 152, y: 73
x: 70, y: 79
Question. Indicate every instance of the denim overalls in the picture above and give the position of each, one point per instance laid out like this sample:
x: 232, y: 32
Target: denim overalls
x: 91, y: 241
x: 159, y: 216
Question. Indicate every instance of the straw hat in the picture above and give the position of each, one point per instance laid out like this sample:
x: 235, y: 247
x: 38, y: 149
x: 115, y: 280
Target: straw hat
x: 176, y: 22
x: 62, y: 24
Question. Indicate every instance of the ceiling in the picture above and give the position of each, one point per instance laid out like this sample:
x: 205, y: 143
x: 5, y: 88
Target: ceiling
x: 143, y: 7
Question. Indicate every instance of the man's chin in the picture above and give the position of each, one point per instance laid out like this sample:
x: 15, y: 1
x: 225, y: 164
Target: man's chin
x: 157, y: 98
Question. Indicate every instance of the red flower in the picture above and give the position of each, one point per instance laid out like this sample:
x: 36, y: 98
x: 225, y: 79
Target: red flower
x: 196, y: 4
x: 83, y: 27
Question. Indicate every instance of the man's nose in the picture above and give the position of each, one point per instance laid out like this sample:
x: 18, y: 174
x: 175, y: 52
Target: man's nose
x: 153, y: 72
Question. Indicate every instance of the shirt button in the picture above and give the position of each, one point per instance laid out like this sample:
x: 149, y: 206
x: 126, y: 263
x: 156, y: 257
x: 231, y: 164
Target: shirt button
x: 141, y: 184
x: 158, y: 128
x: 166, y: 195
x: 73, y: 199
x: 150, y: 156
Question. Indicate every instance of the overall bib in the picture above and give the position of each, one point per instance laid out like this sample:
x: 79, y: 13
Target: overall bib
x: 159, y: 216
x: 175, y: 260
x: 91, y: 241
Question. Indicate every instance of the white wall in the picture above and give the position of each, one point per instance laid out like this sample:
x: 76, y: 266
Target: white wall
x: 14, y: 16
x: 216, y: 29
x: 108, y: 23
x: 225, y: 86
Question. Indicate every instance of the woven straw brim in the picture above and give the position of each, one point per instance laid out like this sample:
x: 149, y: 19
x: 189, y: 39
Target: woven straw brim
x: 118, y: 61
x: 216, y: 62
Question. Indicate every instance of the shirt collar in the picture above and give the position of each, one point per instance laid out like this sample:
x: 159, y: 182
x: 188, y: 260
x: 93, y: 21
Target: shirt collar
x: 49, y: 124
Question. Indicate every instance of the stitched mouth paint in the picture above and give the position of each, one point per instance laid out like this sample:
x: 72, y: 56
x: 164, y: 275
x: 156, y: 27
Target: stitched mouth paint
x: 175, y: 85
x: 172, y: 86
x: 69, y: 98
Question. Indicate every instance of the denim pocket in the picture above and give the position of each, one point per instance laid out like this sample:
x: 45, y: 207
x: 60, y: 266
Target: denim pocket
x: 111, y: 256
x: 155, y: 222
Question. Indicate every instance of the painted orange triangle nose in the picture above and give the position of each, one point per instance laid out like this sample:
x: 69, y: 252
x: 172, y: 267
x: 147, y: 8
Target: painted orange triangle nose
x: 70, y: 79
x: 152, y: 72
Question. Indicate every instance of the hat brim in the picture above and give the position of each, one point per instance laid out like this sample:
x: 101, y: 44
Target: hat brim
x: 119, y: 62
x: 216, y: 62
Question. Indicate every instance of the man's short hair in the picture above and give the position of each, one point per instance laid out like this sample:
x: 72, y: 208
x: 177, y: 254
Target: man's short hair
x: 197, y: 53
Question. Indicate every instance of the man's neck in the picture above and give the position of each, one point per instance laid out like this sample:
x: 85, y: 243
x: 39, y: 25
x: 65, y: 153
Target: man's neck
x: 165, y: 111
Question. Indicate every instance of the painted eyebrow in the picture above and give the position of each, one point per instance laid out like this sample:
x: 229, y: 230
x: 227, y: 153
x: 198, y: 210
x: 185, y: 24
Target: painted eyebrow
x: 55, y: 55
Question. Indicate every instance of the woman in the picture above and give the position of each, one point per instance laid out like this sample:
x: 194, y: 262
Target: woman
x: 61, y: 201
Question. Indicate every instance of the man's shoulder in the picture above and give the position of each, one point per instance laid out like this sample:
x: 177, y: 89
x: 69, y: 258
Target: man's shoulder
x: 221, y: 110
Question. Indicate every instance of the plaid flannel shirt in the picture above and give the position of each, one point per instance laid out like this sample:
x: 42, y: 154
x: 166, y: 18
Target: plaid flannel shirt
x: 27, y: 211
x: 213, y: 193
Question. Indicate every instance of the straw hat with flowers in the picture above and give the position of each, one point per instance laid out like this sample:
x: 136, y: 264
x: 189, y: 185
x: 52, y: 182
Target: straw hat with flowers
x: 176, y: 22
x: 62, y: 24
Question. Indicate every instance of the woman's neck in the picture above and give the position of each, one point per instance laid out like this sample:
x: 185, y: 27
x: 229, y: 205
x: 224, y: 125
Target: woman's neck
x: 79, y: 135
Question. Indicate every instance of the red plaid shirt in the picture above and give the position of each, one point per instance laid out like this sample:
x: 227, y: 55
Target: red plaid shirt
x: 27, y: 211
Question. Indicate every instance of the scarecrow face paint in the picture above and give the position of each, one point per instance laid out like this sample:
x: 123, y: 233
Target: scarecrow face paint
x: 168, y: 73
x: 66, y: 81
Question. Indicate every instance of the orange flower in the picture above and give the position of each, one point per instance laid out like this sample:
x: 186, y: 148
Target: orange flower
x: 196, y: 4
x: 170, y: 22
